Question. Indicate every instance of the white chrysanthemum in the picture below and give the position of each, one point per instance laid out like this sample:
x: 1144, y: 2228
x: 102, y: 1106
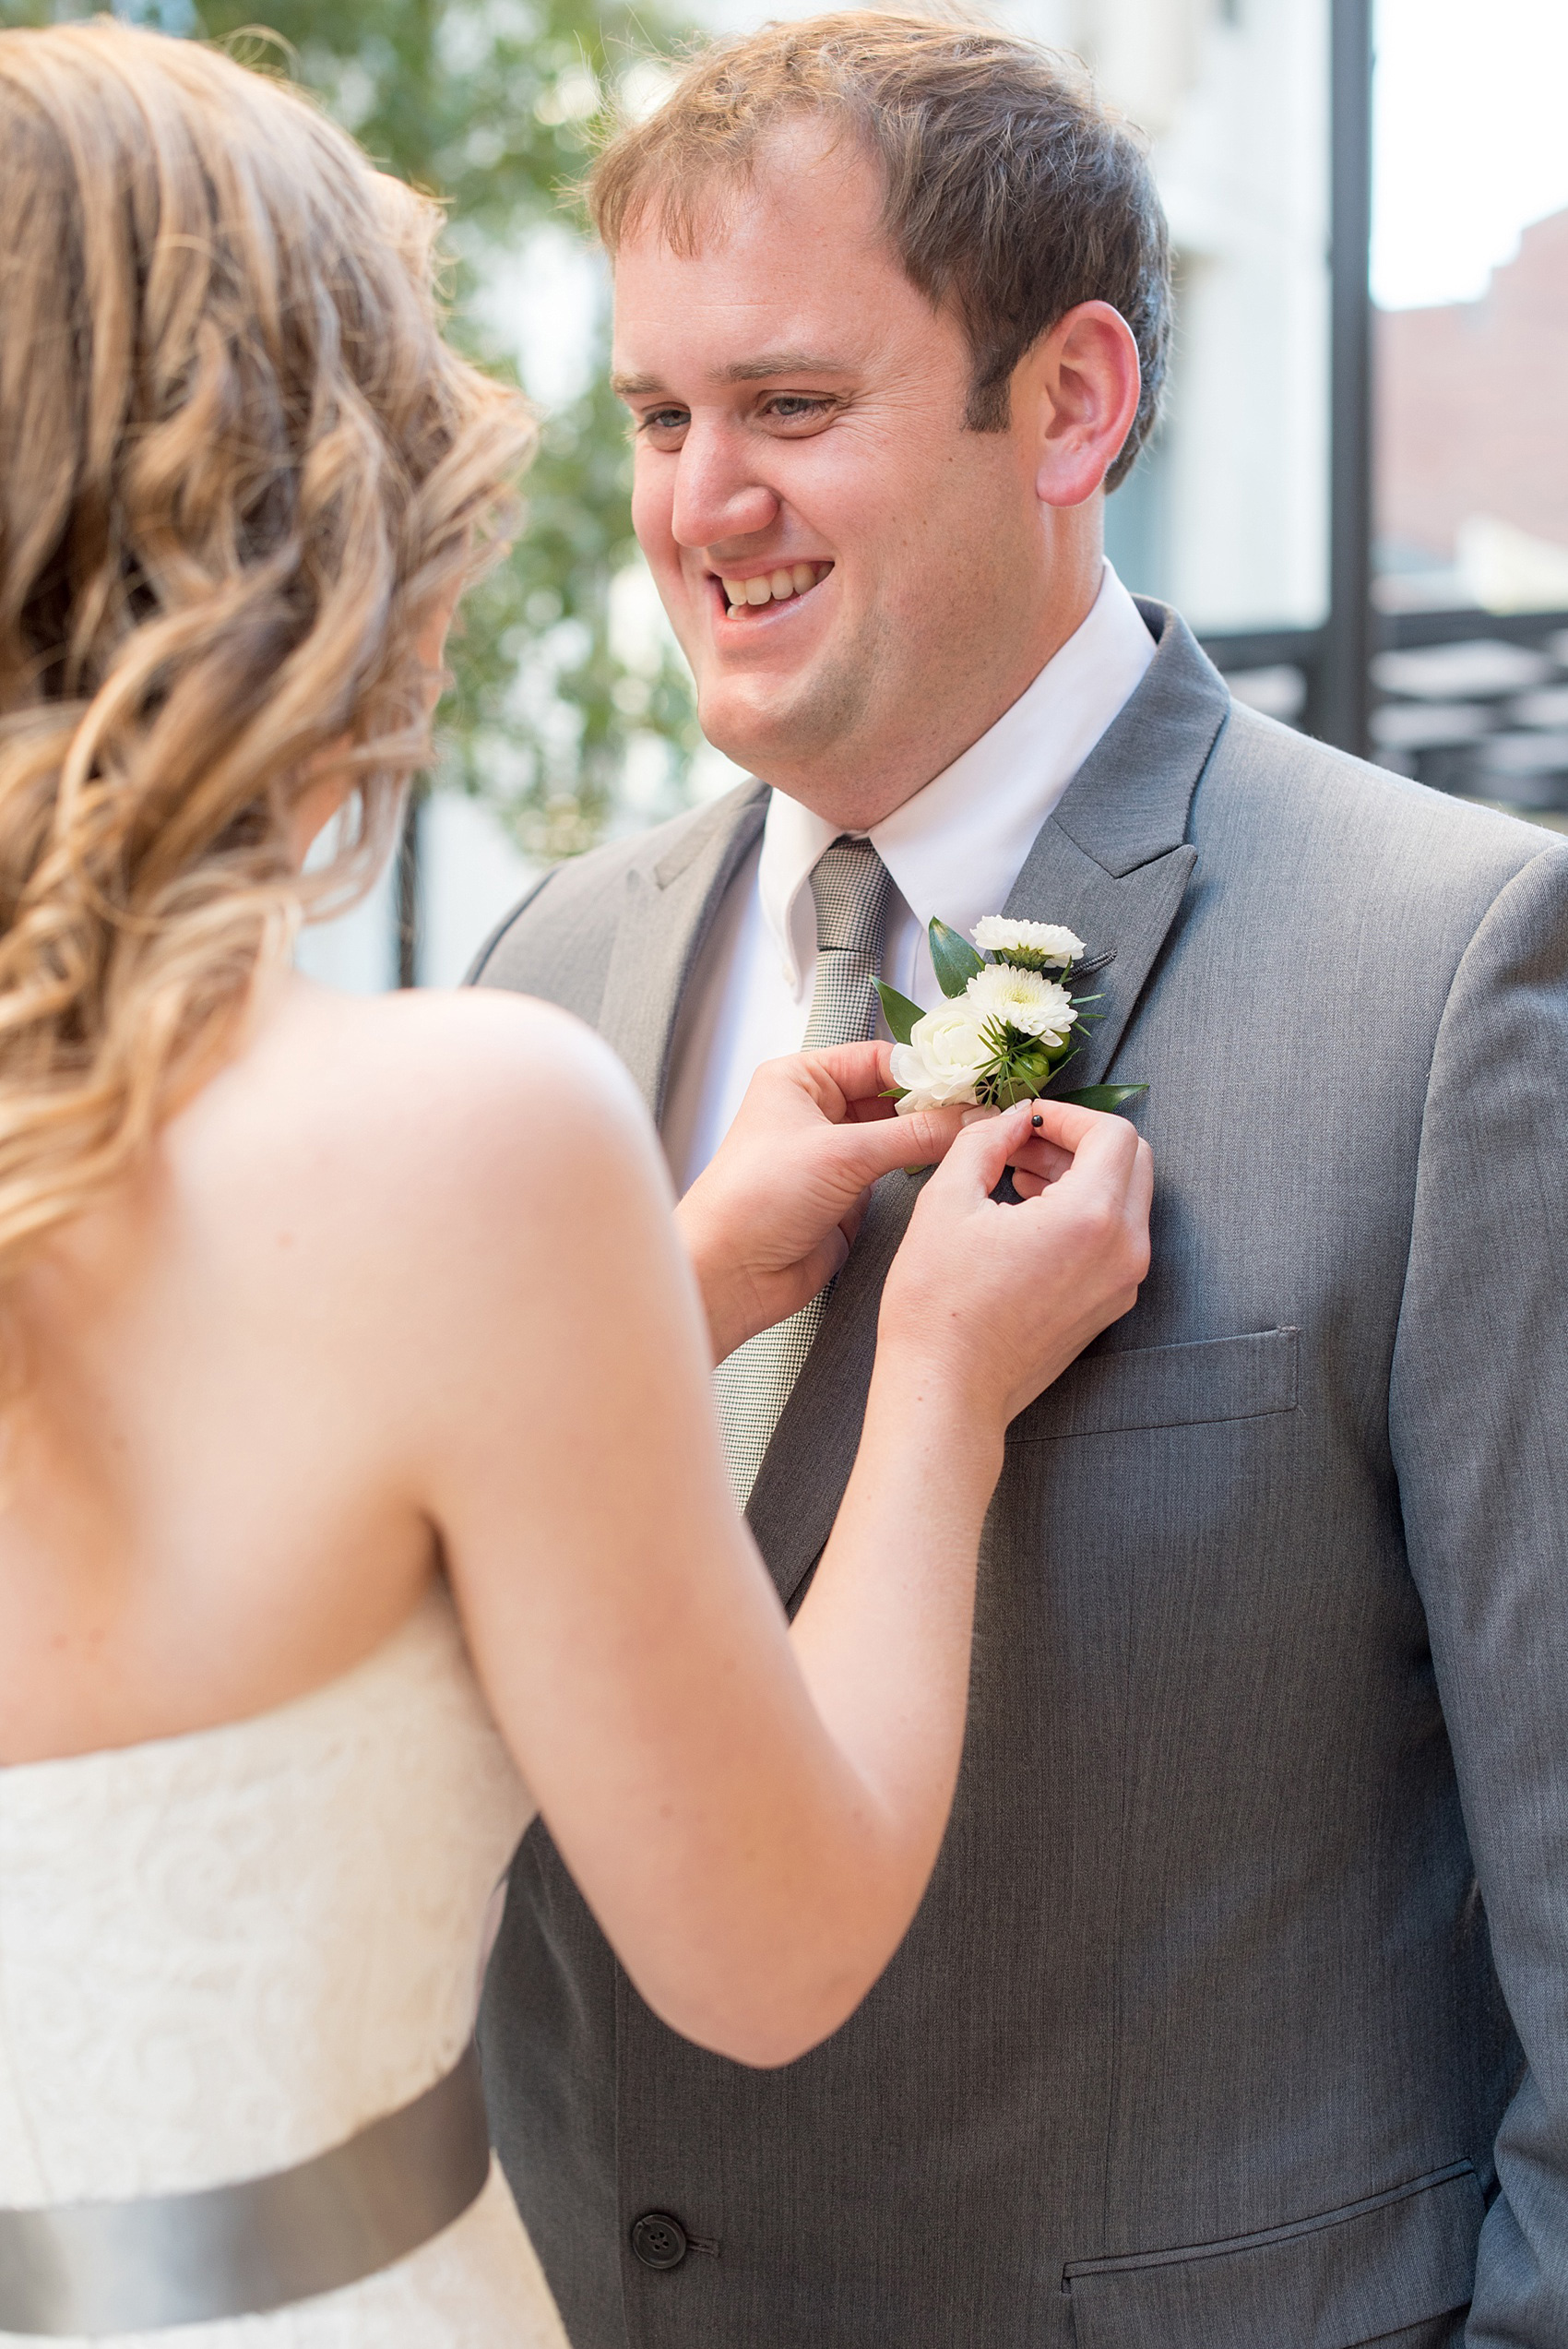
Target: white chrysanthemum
x: 945, y: 1055
x: 1047, y: 941
x: 1026, y: 999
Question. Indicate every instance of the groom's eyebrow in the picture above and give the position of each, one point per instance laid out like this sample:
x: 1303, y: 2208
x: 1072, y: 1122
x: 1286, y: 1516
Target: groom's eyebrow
x: 769, y: 362
x: 783, y: 362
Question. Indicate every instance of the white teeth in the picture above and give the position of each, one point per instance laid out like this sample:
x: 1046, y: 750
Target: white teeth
x: 773, y: 586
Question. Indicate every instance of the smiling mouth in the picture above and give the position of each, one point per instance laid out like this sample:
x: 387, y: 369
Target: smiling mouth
x: 744, y: 598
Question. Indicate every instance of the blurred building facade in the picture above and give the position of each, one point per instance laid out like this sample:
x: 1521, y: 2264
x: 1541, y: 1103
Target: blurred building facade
x: 1472, y: 549
x: 1472, y: 439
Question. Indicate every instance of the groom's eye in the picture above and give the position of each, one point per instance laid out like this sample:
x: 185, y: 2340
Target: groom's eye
x: 799, y: 407
x: 664, y: 424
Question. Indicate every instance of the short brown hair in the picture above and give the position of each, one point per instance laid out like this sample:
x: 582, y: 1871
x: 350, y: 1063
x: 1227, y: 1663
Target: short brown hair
x: 1012, y: 191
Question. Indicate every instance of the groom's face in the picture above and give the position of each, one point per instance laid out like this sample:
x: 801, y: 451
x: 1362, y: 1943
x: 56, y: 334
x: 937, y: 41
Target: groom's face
x: 856, y: 578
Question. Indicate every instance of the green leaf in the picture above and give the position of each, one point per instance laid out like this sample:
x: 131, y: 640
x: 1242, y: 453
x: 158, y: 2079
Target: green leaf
x: 898, y: 1012
x: 1102, y: 1096
x: 954, y: 958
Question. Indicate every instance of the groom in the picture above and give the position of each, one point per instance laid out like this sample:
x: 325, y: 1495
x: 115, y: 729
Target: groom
x: 1236, y: 2016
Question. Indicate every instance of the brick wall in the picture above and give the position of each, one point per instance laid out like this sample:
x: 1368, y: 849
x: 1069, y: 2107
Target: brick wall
x: 1473, y: 405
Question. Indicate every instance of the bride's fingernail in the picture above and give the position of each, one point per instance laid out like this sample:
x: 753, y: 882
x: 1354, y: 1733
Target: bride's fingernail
x: 973, y: 1116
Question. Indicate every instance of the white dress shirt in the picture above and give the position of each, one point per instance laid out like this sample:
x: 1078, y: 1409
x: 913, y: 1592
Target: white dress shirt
x: 955, y: 849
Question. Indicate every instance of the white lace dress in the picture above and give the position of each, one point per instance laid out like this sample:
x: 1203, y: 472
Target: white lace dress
x: 222, y: 1953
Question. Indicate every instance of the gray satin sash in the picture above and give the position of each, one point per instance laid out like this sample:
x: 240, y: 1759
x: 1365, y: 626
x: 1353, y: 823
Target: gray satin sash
x: 238, y: 2250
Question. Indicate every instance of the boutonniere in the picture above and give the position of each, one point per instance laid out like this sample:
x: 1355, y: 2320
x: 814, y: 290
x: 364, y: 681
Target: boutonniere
x: 1011, y: 1020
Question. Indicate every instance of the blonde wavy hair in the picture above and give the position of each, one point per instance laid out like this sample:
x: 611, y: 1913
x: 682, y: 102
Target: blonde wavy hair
x: 241, y: 474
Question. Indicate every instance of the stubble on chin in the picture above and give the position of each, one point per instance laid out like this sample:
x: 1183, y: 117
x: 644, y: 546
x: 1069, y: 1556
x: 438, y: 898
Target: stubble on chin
x: 806, y: 736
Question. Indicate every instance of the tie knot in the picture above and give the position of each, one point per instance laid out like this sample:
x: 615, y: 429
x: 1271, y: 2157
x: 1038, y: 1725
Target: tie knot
x: 849, y: 885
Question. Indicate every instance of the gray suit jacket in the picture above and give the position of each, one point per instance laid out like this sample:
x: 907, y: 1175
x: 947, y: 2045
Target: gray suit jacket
x: 1236, y: 2016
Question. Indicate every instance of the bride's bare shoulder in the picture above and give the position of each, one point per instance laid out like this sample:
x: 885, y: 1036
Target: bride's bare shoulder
x: 421, y: 1096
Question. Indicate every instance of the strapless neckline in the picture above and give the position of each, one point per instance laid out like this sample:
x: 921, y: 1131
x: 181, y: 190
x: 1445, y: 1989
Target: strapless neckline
x: 434, y: 1607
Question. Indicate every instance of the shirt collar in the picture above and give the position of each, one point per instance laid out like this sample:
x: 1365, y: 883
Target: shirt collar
x: 957, y: 847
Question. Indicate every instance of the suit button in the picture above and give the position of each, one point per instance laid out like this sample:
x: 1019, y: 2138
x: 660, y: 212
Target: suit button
x: 659, y: 2240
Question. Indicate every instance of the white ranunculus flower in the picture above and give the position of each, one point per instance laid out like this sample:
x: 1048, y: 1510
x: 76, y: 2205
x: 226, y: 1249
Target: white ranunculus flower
x: 1026, y: 999
x: 944, y: 1055
x: 997, y: 935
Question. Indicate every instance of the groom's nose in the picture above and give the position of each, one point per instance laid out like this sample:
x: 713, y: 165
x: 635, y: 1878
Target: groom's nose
x: 718, y: 495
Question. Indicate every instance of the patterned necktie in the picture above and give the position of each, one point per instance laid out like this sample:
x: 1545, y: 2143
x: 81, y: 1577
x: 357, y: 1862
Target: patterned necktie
x: 849, y: 883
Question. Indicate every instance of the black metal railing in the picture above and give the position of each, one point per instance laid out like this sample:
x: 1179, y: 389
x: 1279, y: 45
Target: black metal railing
x: 1469, y: 701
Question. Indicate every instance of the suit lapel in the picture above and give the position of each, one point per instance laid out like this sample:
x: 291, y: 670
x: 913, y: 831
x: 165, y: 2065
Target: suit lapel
x: 1113, y: 863
x: 1126, y: 915
x: 670, y: 899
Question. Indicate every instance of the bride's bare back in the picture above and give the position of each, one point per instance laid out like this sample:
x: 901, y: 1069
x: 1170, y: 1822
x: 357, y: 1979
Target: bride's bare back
x: 218, y: 1464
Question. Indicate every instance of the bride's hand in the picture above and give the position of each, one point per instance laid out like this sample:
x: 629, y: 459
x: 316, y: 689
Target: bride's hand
x: 771, y: 1219
x: 995, y: 1301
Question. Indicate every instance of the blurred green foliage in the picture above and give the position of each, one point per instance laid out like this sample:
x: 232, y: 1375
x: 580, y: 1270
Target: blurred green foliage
x: 492, y: 105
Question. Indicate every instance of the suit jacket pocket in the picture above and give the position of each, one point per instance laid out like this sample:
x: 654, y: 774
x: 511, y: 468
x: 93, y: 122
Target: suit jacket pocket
x: 1373, y: 2267
x: 1167, y: 1387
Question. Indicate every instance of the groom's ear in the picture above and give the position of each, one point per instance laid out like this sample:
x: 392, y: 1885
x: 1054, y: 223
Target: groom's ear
x: 1075, y: 393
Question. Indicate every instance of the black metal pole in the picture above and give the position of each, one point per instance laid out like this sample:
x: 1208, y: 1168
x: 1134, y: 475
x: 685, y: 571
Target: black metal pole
x: 407, y: 880
x: 1345, y: 686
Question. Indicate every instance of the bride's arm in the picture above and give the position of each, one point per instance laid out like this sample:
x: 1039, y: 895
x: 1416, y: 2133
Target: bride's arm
x: 753, y: 1818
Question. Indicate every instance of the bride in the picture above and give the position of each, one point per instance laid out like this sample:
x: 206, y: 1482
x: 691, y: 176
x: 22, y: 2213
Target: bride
x: 359, y: 1491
